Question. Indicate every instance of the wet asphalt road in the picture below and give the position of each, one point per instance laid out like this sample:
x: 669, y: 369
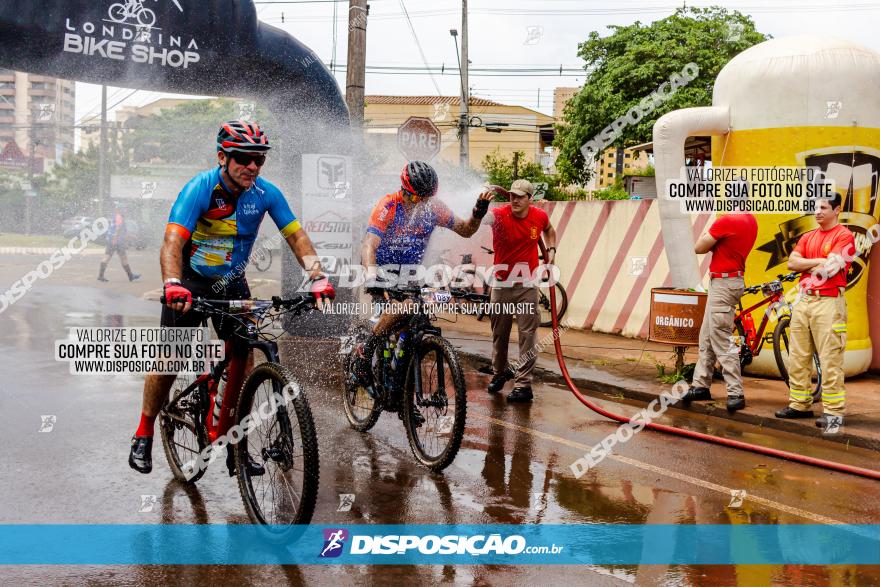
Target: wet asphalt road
x: 513, y: 466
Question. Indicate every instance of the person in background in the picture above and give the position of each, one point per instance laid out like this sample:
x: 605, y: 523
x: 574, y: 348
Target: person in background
x: 515, y: 230
x: 730, y: 240
x: 818, y: 319
x: 117, y: 237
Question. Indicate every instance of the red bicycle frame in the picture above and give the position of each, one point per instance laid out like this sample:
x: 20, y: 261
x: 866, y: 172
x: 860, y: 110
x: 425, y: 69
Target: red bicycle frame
x: 234, y: 378
x: 755, y: 339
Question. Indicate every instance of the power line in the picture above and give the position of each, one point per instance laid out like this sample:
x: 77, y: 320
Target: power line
x: 617, y: 9
x: 97, y: 108
x: 115, y: 104
x: 419, y: 45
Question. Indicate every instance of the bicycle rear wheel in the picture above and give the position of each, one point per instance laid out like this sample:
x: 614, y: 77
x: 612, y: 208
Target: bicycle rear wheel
x: 434, y: 417
x: 277, y: 431
x: 183, y: 430
x: 544, y: 304
x: 780, y: 352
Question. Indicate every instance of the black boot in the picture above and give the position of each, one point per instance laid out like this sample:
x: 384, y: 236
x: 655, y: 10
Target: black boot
x: 789, y: 413
x: 735, y: 402
x: 696, y: 394
x: 101, y: 272
x: 520, y: 394
x: 829, y: 423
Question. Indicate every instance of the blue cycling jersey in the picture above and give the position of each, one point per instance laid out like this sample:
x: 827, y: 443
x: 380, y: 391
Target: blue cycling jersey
x: 221, y: 229
x: 403, y: 235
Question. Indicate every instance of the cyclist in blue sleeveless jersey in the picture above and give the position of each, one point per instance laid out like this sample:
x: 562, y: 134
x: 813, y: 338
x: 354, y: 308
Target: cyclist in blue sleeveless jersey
x: 208, y: 240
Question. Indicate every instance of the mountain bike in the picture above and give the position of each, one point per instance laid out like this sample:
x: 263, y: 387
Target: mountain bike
x: 275, y: 426
x: 751, y: 340
x: 468, y: 267
x: 416, y: 373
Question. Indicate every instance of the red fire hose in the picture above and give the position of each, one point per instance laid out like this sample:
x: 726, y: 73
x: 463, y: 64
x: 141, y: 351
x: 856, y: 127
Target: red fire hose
x: 790, y: 456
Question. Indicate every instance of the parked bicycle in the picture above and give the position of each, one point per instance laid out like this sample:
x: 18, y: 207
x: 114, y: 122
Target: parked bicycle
x: 261, y: 257
x: 468, y: 267
x: 416, y: 373
x: 281, y: 434
x: 752, y: 340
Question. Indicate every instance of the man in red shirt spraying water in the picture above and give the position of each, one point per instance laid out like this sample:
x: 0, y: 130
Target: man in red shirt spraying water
x: 516, y: 228
x: 730, y: 239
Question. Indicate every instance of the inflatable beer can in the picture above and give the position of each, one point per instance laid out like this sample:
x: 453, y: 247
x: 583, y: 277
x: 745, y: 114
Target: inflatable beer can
x: 807, y: 102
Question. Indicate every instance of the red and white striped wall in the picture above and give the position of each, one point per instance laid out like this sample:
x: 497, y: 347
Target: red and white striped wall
x: 599, y: 245
x: 611, y: 254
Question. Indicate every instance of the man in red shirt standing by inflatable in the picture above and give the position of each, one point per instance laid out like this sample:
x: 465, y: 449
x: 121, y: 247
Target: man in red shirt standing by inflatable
x: 730, y: 239
x: 516, y: 228
x: 818, y: 320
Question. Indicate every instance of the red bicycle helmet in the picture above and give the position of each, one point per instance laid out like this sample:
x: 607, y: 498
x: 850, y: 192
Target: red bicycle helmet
x: 244, y: 136
x: 420, y: 179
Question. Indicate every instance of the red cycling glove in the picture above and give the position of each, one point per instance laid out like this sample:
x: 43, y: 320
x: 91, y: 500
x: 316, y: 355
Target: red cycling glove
x: 322, y: 289
x: 176, y: 293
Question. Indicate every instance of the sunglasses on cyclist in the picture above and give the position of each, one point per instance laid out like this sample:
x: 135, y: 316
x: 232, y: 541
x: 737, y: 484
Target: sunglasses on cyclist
x: 246, y: 159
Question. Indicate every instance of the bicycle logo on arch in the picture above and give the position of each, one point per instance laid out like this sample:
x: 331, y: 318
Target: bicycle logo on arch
x: 134, y: 12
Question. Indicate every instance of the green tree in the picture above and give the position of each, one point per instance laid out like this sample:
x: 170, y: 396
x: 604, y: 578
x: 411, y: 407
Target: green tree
x: 182, y: 134
x: 615, y: 191
x: 499, y: 170
x: 631, y: 63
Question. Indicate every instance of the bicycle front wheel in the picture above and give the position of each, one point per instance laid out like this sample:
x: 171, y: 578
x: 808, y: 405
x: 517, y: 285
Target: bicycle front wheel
x: 276, y: 432
x: 780, y: 352
x: 435, y: 404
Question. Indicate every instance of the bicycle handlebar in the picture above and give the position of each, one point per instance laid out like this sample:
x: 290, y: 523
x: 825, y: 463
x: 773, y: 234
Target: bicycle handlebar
x: 401, y: 292
x: 295, y: 303
x: 793, y: 276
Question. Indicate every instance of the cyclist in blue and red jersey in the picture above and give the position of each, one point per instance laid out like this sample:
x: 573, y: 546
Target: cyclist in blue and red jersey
x: 400, y: 227
x: 208, y: 240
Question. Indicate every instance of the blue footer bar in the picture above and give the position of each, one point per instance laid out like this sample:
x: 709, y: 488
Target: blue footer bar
x: 595, y: 544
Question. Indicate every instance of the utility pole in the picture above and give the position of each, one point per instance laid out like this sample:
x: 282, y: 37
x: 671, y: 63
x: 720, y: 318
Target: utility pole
x: 356, y: 75
x: 102, y: 154
x: 515, y: 165
x: 32, y: 148
x: 464, y: 115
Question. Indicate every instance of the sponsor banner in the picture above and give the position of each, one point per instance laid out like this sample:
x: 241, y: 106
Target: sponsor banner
x: 594, y: 544
x: 328, y: 209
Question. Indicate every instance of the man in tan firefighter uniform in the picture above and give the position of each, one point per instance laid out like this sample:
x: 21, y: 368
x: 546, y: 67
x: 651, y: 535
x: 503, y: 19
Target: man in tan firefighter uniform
x: 818, y: 320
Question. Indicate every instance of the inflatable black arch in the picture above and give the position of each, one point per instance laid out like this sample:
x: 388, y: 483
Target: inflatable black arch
x: 204, y: 47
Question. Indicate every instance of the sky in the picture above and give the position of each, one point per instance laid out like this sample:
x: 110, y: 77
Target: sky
x: 504, y: 34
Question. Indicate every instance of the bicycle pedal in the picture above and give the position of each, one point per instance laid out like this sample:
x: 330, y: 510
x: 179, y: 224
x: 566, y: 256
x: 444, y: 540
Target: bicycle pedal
x: 346, y: 345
